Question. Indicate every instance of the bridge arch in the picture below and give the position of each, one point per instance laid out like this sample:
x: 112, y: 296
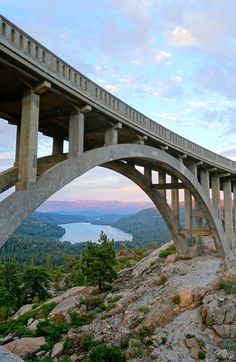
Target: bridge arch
x: 19, y: 205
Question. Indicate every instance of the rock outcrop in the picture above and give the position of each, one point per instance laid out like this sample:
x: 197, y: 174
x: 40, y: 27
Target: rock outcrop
x: 25, y: 347
x: 6, y: 356
x: 163, y: 309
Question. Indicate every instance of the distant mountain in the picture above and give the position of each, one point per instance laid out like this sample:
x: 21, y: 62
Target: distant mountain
x: 93, y: 207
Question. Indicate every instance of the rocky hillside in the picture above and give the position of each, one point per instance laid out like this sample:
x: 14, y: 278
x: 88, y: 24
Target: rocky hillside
x: 161, y: 309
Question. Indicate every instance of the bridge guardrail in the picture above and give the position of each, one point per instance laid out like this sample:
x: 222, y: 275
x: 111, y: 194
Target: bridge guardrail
x: 33, y: 49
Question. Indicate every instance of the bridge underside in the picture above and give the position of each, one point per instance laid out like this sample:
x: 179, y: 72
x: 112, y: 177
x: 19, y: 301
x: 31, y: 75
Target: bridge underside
x: 56, y: 171
x: 41, y: 93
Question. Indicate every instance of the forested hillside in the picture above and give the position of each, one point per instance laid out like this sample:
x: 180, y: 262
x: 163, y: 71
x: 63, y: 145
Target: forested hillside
x: 40, y: 228
x: 25, y: 250
x: 146, y: 226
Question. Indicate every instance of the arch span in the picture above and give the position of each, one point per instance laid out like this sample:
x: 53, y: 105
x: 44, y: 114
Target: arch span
x: 19, y: 205
x: 182, y: 246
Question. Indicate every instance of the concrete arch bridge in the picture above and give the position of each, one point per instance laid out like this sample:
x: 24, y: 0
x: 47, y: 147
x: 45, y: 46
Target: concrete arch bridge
x: 39, y: 92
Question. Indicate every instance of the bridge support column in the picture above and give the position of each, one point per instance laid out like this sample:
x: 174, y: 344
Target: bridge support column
x: 198, y: 219
x: 188, y: 209
x: 148, y: 173
x: 205, y: 181
x: 57, y: 146
x: 234, y: 213
x: 175, y: 198
x: 111, y: 134
x: 76, y: 134
x: 28, y: 139
x: 162, y: 180
x: 17, y: 152
x: 228, y: 209
x: 215, y: 190
x: 188, y: 205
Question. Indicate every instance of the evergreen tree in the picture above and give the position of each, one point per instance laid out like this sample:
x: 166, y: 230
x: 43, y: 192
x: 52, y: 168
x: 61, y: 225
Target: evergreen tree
x: 98, y: 262
x: 35, y: 283
x: 10, y: 287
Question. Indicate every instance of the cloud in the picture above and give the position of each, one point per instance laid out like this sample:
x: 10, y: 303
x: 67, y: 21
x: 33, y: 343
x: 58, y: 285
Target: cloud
x: 180, y: 37
x: 169, y: 89
x: 197, y: 104
x: 169, y: 117
x: 231, y: 153
x: 7, y: 156
x: 162, y: 57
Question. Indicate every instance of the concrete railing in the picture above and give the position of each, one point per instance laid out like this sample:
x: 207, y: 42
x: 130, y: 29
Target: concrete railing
x: 30, y: 48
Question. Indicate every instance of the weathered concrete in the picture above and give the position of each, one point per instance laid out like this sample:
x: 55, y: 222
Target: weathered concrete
x: 76, y: 134
x: 162, y: 180
x: 17, y: 207
x: 205, y: 181
x: 175, y: 198
x: 57, y: 146
x: 188, y: 209
x: 28, y: 138
x: 215, y: 187
x: 159, y: 201
x: 228, y: 209
x: 111, y: 135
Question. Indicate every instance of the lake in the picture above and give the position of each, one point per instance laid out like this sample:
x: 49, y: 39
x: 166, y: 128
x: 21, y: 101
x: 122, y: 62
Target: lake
x: 84, y: 231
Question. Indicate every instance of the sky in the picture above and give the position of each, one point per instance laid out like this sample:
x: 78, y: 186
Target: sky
x: 173, y: 60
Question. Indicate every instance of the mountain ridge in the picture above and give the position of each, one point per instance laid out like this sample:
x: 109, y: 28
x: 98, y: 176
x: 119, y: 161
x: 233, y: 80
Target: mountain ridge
x: 94, y: 207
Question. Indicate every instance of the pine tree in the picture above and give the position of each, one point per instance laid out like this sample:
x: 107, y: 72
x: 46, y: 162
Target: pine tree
x: 11, y: 293
x: 98, y: 262
x: 35, y: 283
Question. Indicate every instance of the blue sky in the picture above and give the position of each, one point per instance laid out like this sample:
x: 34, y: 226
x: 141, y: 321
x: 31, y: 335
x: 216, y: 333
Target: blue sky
x: 174, y: 60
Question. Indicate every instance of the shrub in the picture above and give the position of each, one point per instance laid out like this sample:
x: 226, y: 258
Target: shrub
x: 44, y: 359
x: 84, y: 344
x: 228, y: 285
x: 169, y: 251
x: 146, y: 331
x: 79, y: 320
x: 94, y: 303
x: 18, y: 326
x: 161, y: 280
x: 74, y: 319
x: 202, y: 355
x: 176, y: 299
x: 201, y: 343
x: 124, y: 343
x: 3, y: 314
x: 52, y: 330
x: 228, y: 345
x: 102, y: 353
x: 45, y: 309
x: 112, y: 302
x: 144, y: 308
x: 68, y: 345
